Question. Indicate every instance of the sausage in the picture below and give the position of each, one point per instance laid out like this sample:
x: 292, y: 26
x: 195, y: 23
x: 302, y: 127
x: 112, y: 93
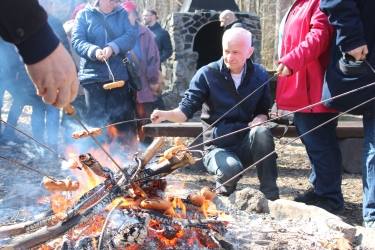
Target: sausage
x: 72, y: 164
x: 83, y: 133
x: 59, y: 186
x: 196, y: 199
x: 178, y: 141
x: 156, y: 204
x: 207, y: 194
x: 113, y: 85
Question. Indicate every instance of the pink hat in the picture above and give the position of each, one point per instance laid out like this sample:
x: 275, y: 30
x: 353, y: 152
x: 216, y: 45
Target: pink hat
x: 78, y: 8
x: 129, y: 6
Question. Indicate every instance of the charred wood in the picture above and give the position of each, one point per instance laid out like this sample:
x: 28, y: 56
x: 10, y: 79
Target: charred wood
x: 89, y: 161
x: 46, y: 234
x: 151, y: 150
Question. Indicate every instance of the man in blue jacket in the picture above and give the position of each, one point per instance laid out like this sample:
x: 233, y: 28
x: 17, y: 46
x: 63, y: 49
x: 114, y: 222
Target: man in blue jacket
x: 354, y: 38
x: 227, y: 157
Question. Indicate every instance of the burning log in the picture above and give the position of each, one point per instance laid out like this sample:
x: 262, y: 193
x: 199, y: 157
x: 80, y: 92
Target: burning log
x: 89, y: 161
x: 47, y: 234
x: 150, y: 152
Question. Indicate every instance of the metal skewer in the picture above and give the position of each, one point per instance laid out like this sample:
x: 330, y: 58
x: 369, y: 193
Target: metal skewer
x: 37, y: 171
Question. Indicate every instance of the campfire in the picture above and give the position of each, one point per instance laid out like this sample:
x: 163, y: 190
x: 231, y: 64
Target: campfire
x: 132, y: 207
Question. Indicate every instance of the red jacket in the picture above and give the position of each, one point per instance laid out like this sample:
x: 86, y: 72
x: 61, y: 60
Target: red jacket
x: 305, y: 51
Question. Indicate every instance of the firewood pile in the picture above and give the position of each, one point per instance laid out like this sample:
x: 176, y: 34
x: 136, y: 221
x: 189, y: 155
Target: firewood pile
x: 132, y: 207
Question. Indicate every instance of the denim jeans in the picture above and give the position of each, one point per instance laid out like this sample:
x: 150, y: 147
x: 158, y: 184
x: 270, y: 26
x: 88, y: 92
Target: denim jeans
x: 224, y: 163
x: 368, y: 166
x: 323, y: 149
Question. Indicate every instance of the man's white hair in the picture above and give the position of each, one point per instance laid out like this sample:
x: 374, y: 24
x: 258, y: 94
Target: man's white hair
x: 238, y: 33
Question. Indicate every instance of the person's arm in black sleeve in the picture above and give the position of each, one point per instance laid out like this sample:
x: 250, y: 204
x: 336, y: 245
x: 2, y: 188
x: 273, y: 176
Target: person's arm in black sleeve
x: 167, y: 47
x: 345, y: 17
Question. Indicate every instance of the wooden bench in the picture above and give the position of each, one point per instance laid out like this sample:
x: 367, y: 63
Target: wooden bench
x: 350, y: 134
x: 345, y: 129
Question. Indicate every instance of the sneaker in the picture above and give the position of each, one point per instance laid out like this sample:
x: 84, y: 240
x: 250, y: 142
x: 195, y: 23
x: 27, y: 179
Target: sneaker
x: 369, y: 224
x: 308, y: 197
x: 324, y: 204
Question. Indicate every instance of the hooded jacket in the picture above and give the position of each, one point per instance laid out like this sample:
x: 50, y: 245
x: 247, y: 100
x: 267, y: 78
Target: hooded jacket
x: 355, y: 26
x: 304, y: 50
x: 88, y: 35
x: 150, y: 63
x: 208, y: 94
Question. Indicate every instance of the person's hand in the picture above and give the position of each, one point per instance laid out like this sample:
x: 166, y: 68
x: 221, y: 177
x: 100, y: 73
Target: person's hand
x: 107, y: 52
x: 359, y: 53
x: 154, y: 87
x: 55, y: 78
x: 282, y: 70
x: 99, y: 55
x: 158, y: 116
x: 259, y: 119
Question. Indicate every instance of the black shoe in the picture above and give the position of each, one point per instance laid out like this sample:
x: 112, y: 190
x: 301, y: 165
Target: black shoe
x: 273, y: 198
x: 324, y: 203
x: 308, y: 197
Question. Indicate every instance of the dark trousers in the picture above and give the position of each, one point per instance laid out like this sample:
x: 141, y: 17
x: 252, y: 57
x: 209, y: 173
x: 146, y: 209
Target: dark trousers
x: 144, y: 110
x: 323, y: 150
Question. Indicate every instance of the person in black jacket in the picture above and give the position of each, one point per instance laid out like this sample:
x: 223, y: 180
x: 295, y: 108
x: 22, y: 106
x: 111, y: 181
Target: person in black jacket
x: 163, y: 41
x: 229, y: 20
x: 49, y: 65
x: 351, y: 66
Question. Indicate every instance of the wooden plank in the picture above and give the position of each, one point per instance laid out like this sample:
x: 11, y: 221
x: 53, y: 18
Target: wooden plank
x: 345, y: 129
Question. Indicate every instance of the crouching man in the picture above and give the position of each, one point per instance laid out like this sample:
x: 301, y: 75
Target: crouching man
x: 227, y: 157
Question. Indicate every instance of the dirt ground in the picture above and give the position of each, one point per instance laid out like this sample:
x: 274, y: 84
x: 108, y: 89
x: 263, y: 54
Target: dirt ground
x: 293, y: 168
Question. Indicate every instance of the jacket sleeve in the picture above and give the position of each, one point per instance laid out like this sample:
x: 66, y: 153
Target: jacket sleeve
x: 34, y: 39
x: 127, y: 40
x: 345, y: 17
x: 167, y: 47
x: 153, y: 58
x: 316, y: 42
x: 80, y: 44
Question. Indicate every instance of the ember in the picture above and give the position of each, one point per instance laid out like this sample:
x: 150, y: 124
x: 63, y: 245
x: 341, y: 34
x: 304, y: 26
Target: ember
x: 113, y: 210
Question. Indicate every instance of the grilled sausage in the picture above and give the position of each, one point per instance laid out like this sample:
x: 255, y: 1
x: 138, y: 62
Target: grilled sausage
x: 207, y: 194
x: 60, y: 186
x: 156, y: 204
x: 83, y: 133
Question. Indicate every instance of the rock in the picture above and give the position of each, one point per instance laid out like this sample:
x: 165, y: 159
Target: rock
x: 248, y: 200
x: 326, y: 223
x: 365, y: 237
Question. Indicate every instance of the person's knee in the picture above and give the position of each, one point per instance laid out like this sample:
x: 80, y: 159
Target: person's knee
x: 261, y: 134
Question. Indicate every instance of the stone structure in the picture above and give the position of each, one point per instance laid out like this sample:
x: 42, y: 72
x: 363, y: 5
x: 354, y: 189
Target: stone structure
x: 196, y: 39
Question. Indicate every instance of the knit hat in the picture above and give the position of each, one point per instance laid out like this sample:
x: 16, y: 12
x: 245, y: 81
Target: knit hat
x: 78, y: 8
x: 129, y: 6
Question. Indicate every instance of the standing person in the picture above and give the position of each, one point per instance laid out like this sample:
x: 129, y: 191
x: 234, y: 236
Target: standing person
x: 93, y: 44
x: 162, y: 39
x: 227, y: 157
x: 48, y: 63
x: 354, y: 35
x: 229, y: 20
x: 303, y: 61
x: 147, y: 54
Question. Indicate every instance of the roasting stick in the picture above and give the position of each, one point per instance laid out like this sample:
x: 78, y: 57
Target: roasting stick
x: 113, y: 84
x: 37, y: 171
x: 274, y: 152
x: 70, y: 110
x: 60, y: 156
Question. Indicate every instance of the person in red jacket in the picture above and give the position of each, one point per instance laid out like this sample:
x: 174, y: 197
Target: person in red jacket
x: 304, y: 54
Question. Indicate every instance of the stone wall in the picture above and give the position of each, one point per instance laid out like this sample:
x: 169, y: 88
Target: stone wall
x: 182, y: 65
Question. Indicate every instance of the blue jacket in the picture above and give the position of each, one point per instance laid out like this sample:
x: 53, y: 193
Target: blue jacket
x: 355, y: 26
x: 208, y: 94
x: 88, y: 34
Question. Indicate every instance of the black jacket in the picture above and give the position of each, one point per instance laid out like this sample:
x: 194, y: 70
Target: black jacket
x: 24, y: 23
x: 354, y: 24
x: 163, y: 40
x: 236, y: 23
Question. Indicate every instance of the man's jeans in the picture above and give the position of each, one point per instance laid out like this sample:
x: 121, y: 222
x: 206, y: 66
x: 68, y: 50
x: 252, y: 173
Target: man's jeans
x: 224, y: 163
x: 324, y: 153
x: 368, y: 166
